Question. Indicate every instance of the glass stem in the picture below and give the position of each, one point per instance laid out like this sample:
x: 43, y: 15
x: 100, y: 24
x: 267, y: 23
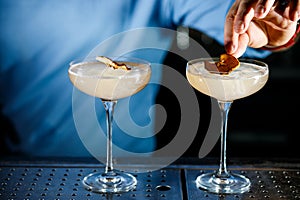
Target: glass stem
x: 224, y: 107
x: 109, y: 108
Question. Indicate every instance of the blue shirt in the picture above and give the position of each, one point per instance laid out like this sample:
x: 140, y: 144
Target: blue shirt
x: 38, y: 39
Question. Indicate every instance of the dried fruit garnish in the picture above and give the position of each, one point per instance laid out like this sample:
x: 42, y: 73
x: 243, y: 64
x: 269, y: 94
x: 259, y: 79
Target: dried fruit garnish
x: 112, y: 63
x: 227, y: 64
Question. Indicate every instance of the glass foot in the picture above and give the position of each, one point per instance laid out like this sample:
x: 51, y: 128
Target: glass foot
x: 233, y: 184
x: 116, y: 182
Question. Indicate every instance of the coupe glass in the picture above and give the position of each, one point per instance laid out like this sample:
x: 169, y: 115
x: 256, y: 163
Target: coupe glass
x: 249, y: 78
x: 99, y: 80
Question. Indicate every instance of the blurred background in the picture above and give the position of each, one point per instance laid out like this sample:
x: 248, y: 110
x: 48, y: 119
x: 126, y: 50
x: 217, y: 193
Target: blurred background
x: 264, y: 124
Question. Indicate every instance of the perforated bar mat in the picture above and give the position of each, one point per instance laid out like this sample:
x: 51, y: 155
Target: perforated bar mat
x: 61, y: 183
x: 273, y: 184
x: 176, y: 182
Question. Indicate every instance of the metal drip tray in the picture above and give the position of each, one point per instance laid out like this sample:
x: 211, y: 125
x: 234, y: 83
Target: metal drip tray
x: 64, y: 181
x: 265, y: 184
x: 61, y: 183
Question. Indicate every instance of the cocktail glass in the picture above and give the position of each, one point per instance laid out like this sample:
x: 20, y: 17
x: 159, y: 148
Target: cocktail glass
x: 249, y: 78
x: 102, y: 81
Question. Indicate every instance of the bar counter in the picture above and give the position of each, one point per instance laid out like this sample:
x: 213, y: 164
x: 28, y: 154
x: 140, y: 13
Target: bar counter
x: 60, y: 179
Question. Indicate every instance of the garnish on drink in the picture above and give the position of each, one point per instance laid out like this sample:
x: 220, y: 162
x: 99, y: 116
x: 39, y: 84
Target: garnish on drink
x: 227, y: 64
x: 251, y: 77
x: 110, y: 80
x: 112, y: 63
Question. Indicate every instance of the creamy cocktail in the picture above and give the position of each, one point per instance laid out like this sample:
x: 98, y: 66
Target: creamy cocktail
x: 246, y: 78
x: 110, y: 80
x: 242, y: 82
x: 107, y: 83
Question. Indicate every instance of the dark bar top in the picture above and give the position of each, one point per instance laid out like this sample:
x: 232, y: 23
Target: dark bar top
x: 60, y: 179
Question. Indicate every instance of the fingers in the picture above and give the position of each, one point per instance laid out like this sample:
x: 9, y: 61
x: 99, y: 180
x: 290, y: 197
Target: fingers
x: 295, y: 10
x: 243, y: 41
x: 247, y: 10
x: 236, y: 24
x: 238, y: 20
x: 289, y: 9
x: 244, y: 15
x: 263, y: 7
x: 240, y: 32
x: 230, y: 36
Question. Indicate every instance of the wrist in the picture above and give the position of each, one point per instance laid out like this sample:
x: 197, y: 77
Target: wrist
x: 289, y: 44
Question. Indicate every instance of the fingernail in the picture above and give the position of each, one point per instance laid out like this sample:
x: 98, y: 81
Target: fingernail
x: 230, y: 47
x: 260, y: 10
x: 233, y: 48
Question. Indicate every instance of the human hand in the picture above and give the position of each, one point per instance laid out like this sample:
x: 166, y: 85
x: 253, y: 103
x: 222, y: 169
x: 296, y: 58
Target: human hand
x: 258, y: 23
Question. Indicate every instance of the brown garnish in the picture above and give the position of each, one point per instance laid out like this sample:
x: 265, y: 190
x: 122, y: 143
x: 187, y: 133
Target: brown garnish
x: 227, y: 64
x: 112, y: 63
